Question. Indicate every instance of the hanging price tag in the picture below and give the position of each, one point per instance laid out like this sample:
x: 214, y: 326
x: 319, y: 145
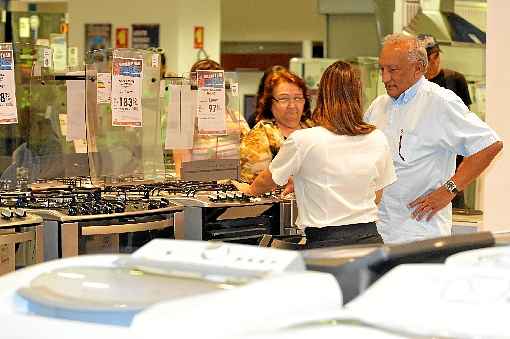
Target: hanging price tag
x: 8, y: 110
x: 155, y: 60
x: 211, y: 103
x: 104, y: 88
x: 126, y: 94
x: 234, y: 89
x: 47, y: 57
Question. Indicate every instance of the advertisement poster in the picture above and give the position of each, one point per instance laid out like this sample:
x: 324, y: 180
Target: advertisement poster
x: 144, y: 36
x: 8, y: 110
x: 121, y: 38
x: 98, y: 36
x: 126, y: 97
x: 211, y: 103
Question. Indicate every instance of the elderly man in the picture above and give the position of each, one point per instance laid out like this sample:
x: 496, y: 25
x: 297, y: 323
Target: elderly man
x: 426, y: 126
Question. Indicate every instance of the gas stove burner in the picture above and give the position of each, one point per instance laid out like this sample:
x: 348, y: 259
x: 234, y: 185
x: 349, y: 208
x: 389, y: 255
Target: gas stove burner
x: 143, y: 191
x: 229, y: 196
x: 75, y: 201
x: 191, y: 188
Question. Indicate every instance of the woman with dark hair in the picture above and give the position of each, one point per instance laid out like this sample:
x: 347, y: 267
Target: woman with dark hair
x: 282, y: 108
x: 339, y: 167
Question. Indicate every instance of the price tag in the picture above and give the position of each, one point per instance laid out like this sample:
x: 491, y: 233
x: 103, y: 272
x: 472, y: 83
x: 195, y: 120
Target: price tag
x: 47, y: 57
x: 234, y: 89
x: 8, y: 109
x: 104, y: 88
x: 126, y: 98
x: 36, y: 69
x: 211, y: 103
x: 155, y: 60
x: 72, y: 55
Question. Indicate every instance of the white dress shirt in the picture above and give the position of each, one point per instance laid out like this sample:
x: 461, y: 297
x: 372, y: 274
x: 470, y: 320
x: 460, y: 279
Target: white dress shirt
x: 426, y: 127
x: 335, y: 176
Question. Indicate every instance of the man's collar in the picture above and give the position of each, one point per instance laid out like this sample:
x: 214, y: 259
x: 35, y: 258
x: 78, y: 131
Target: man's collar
x: 409, y: 93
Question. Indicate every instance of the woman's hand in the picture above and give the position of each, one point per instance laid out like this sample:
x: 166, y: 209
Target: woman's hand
x: 242, y: 187
x: 289, y: 188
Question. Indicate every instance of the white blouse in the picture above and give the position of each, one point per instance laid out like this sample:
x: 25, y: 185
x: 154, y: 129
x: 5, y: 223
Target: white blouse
x: 335, y: 176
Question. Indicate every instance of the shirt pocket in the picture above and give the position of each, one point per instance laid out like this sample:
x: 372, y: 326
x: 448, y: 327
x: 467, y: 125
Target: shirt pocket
x: 411, y: 148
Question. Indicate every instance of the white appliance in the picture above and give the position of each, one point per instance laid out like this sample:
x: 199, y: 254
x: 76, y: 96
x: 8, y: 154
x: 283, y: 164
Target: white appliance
x: 192, y: 288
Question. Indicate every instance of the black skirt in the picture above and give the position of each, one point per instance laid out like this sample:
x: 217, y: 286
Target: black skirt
x: 354, y: 234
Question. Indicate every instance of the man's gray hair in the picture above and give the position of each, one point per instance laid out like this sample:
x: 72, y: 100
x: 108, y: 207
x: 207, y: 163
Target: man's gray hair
x: 416, y: 51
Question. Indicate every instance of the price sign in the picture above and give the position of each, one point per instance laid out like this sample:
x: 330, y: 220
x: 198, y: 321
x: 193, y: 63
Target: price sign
x: 211, y: 103
x: 126, y: 97
x: 8, y: 110
x: 104, y: 88
x: 47, y: 57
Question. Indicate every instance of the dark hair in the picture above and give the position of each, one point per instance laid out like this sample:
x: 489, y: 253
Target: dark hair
x: 339, y: 107
x: 264, y: 100
x: 205, y: 64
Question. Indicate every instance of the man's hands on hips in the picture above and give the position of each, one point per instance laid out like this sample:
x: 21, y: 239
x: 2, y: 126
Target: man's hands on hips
x: 429, y: 204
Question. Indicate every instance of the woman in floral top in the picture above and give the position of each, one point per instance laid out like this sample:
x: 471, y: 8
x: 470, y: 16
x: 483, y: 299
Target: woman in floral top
x: 282, y: 108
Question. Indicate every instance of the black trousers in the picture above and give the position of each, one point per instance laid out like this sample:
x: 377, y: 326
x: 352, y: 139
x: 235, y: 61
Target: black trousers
x: 365, y: 233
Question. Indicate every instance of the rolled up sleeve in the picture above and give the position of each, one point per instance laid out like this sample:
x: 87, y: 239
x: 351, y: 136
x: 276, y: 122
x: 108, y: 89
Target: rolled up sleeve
x: 286, y: 163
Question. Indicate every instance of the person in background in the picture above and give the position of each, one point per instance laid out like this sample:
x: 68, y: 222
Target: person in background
x: 252, y: 120
x: 448, y: 79
x: 339, y: 167
x: 283, y: 108
x: 207, y: 147
x: 426, y: 127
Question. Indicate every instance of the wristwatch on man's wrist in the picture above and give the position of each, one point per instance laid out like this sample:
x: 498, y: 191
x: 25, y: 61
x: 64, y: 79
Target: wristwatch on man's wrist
x: 451, y: 186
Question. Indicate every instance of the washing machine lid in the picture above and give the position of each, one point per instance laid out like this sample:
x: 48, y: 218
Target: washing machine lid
x: 492, y: 257
x: 115, y: 289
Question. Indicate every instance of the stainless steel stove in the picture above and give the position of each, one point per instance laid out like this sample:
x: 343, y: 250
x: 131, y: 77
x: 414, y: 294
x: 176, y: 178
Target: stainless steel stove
x: 96, y: 220
x: 216, y: 211
x: 21, y: 239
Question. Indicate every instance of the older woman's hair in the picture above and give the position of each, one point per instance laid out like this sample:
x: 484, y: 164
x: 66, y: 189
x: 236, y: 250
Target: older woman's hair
x: 264, y: 102
x: 339, y: 107
x: 259, y: 104
x: 206, y: 65
x: 416, y: 52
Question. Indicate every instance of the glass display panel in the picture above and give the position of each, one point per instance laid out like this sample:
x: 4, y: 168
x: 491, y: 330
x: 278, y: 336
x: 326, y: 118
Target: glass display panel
x: 123, y: 153
x: 31, y: 149
x: 192, y: 155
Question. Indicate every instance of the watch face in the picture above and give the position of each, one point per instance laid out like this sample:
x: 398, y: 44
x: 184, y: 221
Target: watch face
x: 450, y: 186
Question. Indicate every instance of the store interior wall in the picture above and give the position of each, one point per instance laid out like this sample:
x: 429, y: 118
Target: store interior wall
x: 269, y: 20
x: 175, y: 17
x: 497, y: 183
